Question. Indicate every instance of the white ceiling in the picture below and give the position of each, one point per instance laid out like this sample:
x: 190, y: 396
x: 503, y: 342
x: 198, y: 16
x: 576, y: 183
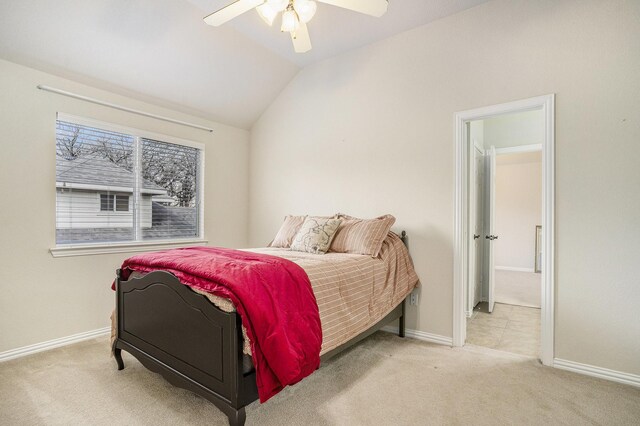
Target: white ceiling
x: 334, y: 30
x: 161, y: 51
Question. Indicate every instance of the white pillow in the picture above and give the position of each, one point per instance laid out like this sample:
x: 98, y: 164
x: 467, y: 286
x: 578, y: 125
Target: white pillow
x: 315, y: 235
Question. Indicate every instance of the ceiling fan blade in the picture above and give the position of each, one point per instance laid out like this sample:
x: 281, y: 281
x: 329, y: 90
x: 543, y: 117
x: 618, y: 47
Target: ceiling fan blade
x: 300, y: 39
x: 229, y: 12
x: 375, y: 8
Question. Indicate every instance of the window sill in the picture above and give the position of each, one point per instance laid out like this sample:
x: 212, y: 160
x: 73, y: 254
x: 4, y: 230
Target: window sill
x: 93, y: 249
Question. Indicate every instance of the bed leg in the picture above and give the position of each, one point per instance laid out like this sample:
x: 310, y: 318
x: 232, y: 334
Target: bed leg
x: 117, y: 354
x: 401, y: 322
x: 238, y: 418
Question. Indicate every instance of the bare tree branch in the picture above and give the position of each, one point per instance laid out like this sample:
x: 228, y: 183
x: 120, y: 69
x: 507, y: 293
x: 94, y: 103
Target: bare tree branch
x: 69, y: 147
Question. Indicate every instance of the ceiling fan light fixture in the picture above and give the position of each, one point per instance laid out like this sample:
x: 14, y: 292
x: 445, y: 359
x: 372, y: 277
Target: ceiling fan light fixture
x: 295, y: 14
x: 267, y: 13
x: 278, y: 5
x: 305, y: 9
x: 290, y: 21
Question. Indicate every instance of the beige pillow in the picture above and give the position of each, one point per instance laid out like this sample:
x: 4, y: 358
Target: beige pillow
x: 287, y: 231
x: 361, y: 236
x: 315, y: 235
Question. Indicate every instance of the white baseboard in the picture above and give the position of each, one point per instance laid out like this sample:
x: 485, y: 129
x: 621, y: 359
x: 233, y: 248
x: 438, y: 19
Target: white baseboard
x: 512, y: 268
x: 602, y: 373
x: 421, y: 335
x: 51, y: 344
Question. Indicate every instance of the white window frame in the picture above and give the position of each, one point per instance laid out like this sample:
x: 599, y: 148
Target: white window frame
x: 84, y: 249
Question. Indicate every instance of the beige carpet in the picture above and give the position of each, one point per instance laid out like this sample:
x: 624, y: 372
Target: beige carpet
x: 383, y: 381
x: 518, y: 288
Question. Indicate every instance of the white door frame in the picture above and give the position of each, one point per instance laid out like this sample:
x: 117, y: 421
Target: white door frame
x: 545, y: 103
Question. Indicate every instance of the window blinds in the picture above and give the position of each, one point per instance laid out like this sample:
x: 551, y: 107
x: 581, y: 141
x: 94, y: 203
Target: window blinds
x: 114, y: 187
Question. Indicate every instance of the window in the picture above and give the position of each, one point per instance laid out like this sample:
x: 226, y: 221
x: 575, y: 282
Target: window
x: 122, y: 203
x: 118, y: 185
x: 108, y: 202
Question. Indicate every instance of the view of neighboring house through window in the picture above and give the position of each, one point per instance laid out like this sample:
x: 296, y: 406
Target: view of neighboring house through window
x: 120, y: 187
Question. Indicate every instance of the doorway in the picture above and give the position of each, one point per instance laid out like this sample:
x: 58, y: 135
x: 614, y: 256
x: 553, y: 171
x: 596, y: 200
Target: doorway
x: 475, y: 227
x: 507, y: 180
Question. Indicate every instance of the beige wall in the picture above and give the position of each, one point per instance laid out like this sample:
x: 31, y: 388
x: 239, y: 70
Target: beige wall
x: 371, y: 132
x: 43, y: 298
x: 518, y: 209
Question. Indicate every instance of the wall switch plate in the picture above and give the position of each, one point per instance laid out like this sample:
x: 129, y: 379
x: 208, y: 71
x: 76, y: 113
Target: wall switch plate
x: 413, y: 298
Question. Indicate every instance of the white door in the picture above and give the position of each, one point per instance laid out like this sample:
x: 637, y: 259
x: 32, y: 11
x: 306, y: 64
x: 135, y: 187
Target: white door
x: 473, y: 212
x: 476, y: 227
x: 479, y: 224
x: 490, y: 235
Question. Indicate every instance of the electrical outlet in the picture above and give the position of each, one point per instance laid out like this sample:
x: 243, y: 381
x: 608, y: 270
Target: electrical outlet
x: 413, y: 298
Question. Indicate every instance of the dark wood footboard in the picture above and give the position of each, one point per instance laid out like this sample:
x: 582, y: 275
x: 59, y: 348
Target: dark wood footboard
x: 180, y: 334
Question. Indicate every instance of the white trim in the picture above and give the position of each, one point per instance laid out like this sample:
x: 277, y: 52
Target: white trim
x: 92, y: 249
x: 93, y: 187
x: 51, y: 344
x: 420, y: 335
x: 200, y: 183
x: 460, y: 222
x: 513, y: 268
x: 599, y: 372
x: 519, y: 149
x: 131, y: 131
x: 137, y: 185
x: 120, y: 107
x: 478, y: 147
x: 548, y: 234
x: 461, y: 119
x: 492, y: 111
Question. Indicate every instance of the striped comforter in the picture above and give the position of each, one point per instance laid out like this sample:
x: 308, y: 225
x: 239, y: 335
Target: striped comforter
x: 353, y: 291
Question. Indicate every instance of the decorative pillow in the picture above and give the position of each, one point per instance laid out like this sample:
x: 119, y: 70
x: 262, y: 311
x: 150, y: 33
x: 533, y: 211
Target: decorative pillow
x: 287, y: 231
x: 361, y: 236
x: 315, y: 235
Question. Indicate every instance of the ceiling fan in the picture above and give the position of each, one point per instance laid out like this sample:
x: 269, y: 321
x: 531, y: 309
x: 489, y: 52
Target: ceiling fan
x: 295, y: 14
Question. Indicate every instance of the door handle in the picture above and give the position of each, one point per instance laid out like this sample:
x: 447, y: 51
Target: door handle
x: 475, y: 236
x: 491, y: 237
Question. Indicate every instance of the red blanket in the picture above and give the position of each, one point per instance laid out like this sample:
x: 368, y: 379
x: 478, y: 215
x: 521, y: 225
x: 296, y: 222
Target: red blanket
x: 272, y: 295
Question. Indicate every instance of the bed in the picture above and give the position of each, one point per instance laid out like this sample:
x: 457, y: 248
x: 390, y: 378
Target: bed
x: 154, y: 311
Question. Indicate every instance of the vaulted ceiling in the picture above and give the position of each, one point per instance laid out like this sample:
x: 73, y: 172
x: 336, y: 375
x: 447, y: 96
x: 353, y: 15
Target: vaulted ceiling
x: 161, y: 51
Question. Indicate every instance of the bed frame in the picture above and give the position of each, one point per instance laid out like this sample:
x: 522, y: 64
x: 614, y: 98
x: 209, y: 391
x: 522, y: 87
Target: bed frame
x: 181, y: 335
